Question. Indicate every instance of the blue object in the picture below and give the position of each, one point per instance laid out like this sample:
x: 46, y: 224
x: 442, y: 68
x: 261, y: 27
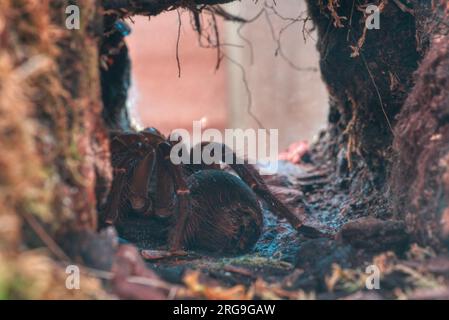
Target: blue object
x: 122, y: 27
x: 122, y: 241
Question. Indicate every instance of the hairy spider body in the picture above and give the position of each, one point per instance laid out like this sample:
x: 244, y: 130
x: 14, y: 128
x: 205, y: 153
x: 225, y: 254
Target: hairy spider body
x: 226, y: 212
x: 153, y: 201
x: 226, y: 217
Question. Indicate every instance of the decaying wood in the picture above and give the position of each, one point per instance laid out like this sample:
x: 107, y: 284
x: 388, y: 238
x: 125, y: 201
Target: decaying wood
x: 420, y: 176
x: 154, y: 7
x: 386, y: 123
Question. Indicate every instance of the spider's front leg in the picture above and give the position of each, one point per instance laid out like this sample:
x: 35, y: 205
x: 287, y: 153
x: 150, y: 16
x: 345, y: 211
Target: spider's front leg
x: 133, y: 161
x: 111, y: 211
x: 139, y: 183
x: 180, y: 233
x: 165, y: 189
x: 251, y: 176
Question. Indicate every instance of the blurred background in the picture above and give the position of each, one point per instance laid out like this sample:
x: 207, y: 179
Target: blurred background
x: 269, y: 75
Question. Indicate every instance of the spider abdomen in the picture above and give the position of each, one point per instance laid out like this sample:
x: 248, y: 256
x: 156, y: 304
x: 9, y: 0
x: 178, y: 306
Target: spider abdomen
x: 226, y: 215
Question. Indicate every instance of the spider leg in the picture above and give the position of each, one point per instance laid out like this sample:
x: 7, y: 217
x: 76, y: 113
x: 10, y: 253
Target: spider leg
x: 249, y: 174
x: 179, y: 234
x: 111, y: 211
x: 164, y: 188
x: 139, y: 183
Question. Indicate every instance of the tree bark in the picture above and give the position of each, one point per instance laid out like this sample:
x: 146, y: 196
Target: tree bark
x: 386, y: 113
x: 420, y: 175
x: 55, y: 167
x: 154, y: 7
x: 368, y: 73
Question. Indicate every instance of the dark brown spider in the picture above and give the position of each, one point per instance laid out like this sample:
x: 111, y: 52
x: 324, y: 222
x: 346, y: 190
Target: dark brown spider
x: 187, y: 206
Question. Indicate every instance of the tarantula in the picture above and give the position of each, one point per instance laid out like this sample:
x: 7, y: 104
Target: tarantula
x: 187, y: 206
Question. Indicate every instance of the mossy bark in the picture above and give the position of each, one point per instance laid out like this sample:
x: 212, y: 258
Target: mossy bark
x: 420, y: 173
x: 368, y: 74
x: 55, y: 159
x: 385, y: 113
x: 389, y: 116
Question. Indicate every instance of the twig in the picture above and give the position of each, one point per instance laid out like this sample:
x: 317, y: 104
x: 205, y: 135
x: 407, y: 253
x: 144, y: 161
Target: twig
x: 248, y: 92
x: 377, y: 92
x: 404, y: 8
x: 279, y: 51
x: 45, y: 237
x: 217, y: 39
x: 177, y: 44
